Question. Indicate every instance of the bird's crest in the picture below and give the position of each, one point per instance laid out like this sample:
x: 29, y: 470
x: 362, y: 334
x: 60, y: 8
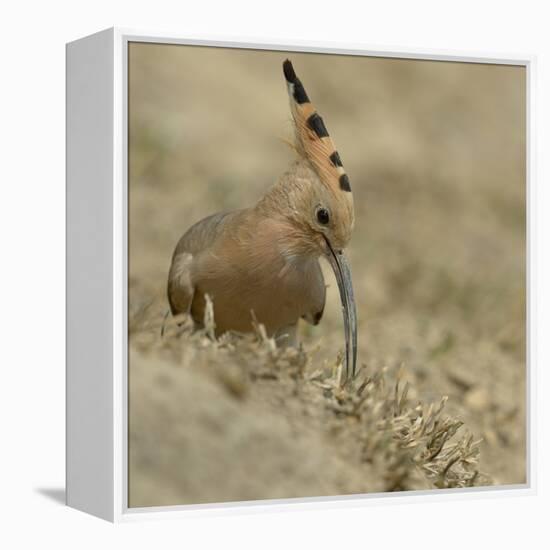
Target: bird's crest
x: 312, y: 138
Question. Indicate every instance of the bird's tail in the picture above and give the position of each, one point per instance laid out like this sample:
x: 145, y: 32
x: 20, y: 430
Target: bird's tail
x: 313, y: 141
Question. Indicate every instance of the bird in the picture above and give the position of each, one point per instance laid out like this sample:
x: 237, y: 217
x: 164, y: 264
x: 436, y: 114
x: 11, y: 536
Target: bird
x: 260, y: 264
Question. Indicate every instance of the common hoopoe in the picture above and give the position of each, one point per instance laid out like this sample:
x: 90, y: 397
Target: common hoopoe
x: 263, y: 261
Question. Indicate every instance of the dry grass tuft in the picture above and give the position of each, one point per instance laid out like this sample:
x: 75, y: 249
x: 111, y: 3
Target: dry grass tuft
x: 411, y: 443
x: 371, y: 422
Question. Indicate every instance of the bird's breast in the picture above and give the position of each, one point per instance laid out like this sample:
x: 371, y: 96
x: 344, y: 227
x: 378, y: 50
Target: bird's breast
x: 258, y: 278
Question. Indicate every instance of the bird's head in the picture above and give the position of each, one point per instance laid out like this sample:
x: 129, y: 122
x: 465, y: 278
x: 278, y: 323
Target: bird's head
x: 320, y: 201
x: 319, y: 212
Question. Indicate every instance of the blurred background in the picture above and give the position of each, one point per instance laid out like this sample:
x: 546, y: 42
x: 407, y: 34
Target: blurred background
x: 435, y: 152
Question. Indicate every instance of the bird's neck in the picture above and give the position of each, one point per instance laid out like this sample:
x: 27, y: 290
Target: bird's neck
x: 274, y: 227
x: 274, y: 237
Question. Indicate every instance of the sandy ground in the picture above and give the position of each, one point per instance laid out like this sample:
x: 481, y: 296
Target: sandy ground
x: 436, y: 156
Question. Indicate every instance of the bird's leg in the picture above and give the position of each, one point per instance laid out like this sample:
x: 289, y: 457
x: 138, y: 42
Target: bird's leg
x: 164, y: 323
x: 286, y: 337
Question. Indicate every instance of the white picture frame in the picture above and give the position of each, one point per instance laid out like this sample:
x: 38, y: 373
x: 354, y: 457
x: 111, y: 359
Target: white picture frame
x: 97, y: 256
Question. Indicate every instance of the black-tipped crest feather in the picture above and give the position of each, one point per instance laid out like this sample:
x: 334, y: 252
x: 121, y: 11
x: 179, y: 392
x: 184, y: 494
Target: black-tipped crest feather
x: 344, y: 183
x: 335, y: 159
x: 316, y: 123
x: 312, y: 138
x: 288, y: 69
x: 298, y: 90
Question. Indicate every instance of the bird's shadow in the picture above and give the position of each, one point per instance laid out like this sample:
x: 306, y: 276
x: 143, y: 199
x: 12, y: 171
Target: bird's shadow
x: 57, y: 494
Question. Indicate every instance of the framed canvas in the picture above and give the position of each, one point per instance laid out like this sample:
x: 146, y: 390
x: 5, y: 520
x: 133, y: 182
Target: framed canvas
x: 297, y: 275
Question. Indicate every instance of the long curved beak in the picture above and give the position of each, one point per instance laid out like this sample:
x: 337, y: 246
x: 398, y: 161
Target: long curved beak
x: 342, y: 271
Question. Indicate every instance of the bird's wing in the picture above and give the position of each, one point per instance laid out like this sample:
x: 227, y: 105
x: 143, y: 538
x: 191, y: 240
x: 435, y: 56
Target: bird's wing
x: 180, y: 284
x: 197, y: 239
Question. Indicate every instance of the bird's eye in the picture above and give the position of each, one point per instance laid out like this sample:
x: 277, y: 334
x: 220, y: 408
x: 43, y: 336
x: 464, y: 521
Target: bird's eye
x: 323, y: 216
